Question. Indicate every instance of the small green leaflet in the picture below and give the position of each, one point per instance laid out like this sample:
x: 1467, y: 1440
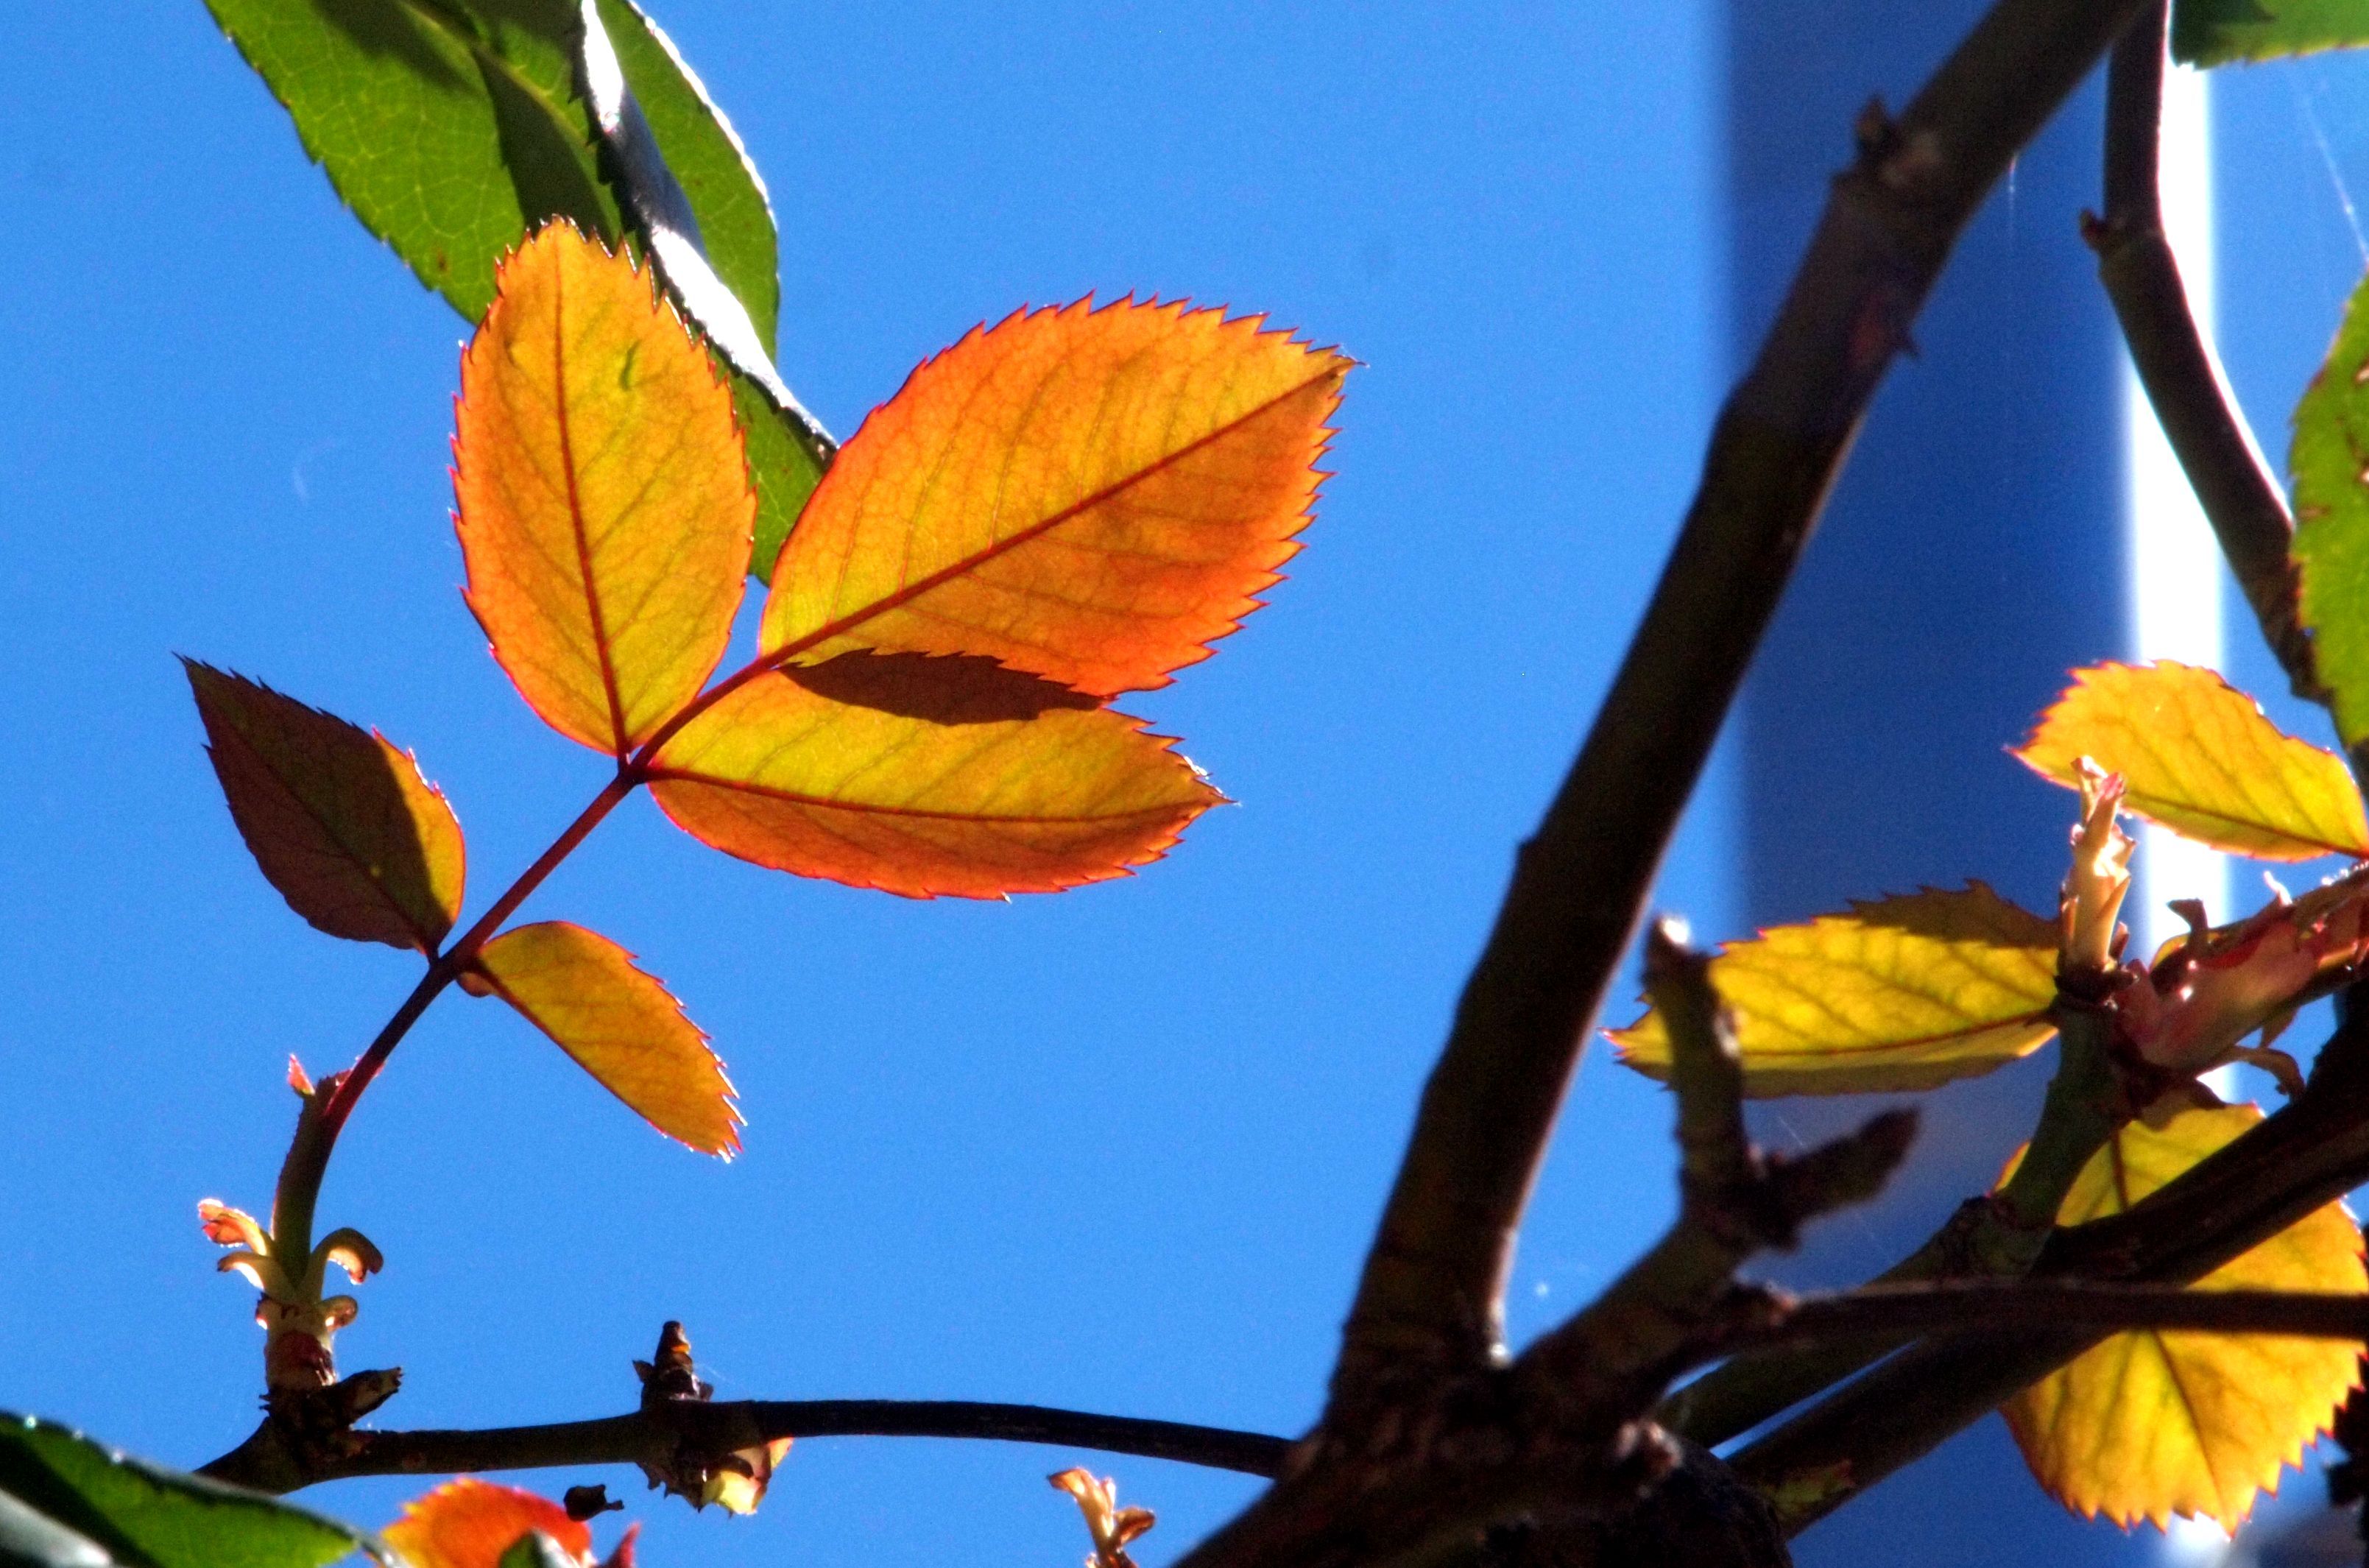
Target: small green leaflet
x: 67, y: 1502
x: 2328, y: 458
x: 2216, y: 32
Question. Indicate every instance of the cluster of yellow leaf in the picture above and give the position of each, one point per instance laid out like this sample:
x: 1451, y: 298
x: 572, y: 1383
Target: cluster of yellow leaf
x: 1908, y: 992
x: 1071, y: 505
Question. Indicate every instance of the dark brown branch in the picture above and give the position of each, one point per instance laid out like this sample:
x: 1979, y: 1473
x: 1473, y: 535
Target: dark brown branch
x: 2176, y: 363
x: 1966, y: 1306
x: 653, y: 1437
x: 2306, y: 1155
x: 1430, y: 1301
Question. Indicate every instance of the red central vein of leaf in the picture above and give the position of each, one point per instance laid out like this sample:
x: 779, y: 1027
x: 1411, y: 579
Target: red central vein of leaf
x: 2168, y: 802
x: 772, y: 792
x: 1821, y: 1053
x: 576, y: 510
x: 914, y: 590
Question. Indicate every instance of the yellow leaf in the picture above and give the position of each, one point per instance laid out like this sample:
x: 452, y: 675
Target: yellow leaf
x: 2198, y: 756
x: 338, y: 818
x: 1088, y: 494
x: 619, y: 1025
x: 1900, y: 993
x: 2148, y: 1425
x: 605, y: 510
x: 925, y: 792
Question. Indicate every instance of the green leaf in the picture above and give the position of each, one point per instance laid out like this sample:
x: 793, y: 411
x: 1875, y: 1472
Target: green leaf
x: 2216, y: 32
x: 2329, y: 459
x: 453, y: 127
x: 67, y: 1502
x: 536, y: 1549
x: 449, y: 131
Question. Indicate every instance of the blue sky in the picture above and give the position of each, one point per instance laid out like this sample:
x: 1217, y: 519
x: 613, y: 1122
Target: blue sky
x: 1120, y: 1149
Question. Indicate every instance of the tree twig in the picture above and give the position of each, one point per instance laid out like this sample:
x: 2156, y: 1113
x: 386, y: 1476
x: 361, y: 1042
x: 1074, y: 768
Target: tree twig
x: 1966, y: 1306
x: 2175, y: 362
x: 1430, y: 1301
x: 652, y: 1434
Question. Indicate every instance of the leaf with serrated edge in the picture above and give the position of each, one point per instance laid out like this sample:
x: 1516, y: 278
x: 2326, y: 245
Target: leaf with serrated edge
x: 1089, y: 494
x: 470, y: 1523
x: 2329, y: 459
x: 793, y: 779
x: 339, y: 820
x: 619, y: 1025
x: 2198, y: 756
x: 604, y: 506
x: 57, y: 1486
x: 2216, y: 32
x: 1899, y: 993
x: 2147, y: 1424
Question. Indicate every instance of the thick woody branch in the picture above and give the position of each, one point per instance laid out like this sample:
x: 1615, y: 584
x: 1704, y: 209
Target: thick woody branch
x: 654, y: 1435
x: 1430, y: 1301
x: 2177, y: 364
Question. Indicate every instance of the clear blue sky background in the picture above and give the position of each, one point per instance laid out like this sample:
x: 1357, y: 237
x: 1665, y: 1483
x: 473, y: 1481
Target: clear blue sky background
x: 1119, y: 1149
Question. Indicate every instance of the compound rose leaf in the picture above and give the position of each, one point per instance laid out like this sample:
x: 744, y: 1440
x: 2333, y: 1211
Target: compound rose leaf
x: 621, y: 1026
x: 339, y: 820
x: 884, y: 792
x: 606, y: 511
x: 470, y: 1524
x: 1089, y: 494
x: 1900, y: 993
x: 2198, y: 756
x: 2147, y: 1424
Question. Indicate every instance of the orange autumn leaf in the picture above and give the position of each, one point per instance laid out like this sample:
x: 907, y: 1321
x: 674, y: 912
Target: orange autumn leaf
x: 619, y: 1023
x: 605, y: 510
x: 1089, y: 494
x: 2198, y: 756
x: 2147, y: 1424
x: 953, y: 786
x: 338, y: 818
x: 470, y: 1523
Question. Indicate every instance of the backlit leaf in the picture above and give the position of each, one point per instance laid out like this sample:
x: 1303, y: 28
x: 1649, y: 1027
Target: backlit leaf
x: 2329, y: 458
x: 2215, y: 32
x: 2198, y: 756
x: 858, y: 783
x: 604, y: 506
x: 339, y: 819
x: 67, y: 1502
x: 470, y: 1524
x: 1089, y: 494
x: 1899, y: 993
x: 619, y: 1023
x: 2145, y: 1424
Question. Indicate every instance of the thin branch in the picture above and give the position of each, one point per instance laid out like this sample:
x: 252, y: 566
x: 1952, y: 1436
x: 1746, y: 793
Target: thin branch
x: 653, y: 1436
x: 1431, y: 1298
x: 2175, y: 362
x: 1969, y: 1306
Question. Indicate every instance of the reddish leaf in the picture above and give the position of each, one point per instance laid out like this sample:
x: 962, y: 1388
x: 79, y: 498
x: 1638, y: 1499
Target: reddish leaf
x: 604, y: 503
x: 619, y: 1025
x: 1090, y: 495
x: 789, y: 778
x: 339, y: 820
x: 470, y: 1523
